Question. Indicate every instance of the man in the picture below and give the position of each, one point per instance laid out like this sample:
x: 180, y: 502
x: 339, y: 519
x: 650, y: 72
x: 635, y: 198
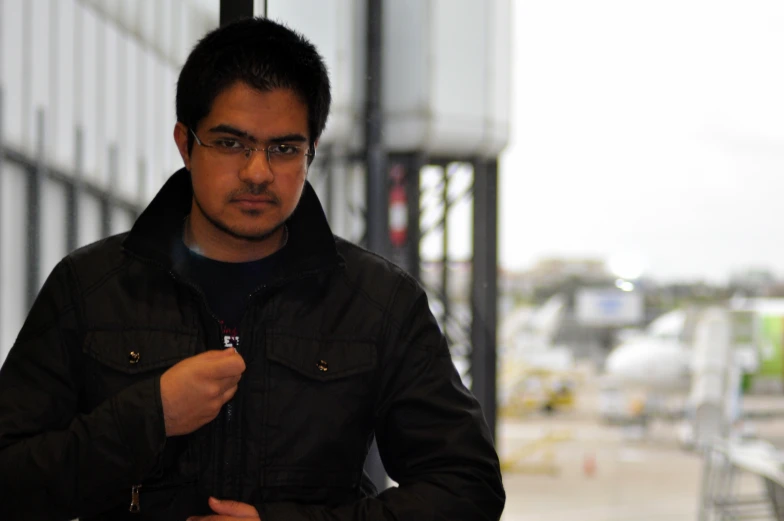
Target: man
x: 230, y: 358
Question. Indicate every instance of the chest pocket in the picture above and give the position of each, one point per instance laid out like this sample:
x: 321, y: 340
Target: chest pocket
x: 320, y: 407
x: 117, y: 359
x: 321, y: 360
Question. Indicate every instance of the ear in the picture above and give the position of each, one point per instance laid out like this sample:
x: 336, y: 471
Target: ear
x: 181, y: 140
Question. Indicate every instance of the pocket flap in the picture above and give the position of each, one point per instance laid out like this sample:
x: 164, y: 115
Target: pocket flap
x: 136, y: 351
x: 321, y: 359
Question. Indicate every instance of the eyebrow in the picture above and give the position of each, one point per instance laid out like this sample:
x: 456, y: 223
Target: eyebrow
x: 234, y: 131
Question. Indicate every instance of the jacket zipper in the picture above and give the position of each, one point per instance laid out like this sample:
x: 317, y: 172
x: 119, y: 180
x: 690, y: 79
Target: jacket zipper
x: 135, y: 507
x: 251, y: 295
x: 215, y: 430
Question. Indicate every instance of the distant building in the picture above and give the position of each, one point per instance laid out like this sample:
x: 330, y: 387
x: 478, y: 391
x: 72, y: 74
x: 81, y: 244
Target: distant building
x: 754, y: 282
x: 555, y: 270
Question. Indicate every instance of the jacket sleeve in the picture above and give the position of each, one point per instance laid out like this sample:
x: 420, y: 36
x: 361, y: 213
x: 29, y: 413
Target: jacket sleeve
x: 55, y: 461
x: 431, y: 433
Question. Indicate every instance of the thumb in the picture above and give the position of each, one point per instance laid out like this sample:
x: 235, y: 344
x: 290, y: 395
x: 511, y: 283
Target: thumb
x: 217, y: 353
x: 228, y: 507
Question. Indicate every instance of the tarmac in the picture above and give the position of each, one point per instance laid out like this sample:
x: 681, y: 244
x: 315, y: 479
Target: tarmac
x: 572, y: 466
x: 597, y: 475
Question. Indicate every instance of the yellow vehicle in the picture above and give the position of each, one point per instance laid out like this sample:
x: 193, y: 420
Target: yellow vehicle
x: 539, y: 390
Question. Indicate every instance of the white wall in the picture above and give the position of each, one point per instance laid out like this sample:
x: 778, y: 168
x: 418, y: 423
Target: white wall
x: 110, y: 68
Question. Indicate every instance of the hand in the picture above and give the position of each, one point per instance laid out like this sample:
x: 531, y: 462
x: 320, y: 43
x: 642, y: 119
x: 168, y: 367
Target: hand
x: 194, y: 390
x: 228, y: 510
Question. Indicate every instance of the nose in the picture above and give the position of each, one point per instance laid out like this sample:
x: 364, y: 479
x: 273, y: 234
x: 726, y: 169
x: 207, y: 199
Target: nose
x: 257, y: 169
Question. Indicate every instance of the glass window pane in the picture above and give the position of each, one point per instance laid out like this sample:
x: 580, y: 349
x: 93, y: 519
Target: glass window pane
x: 53, y: 226
x: 128, y: 118
x: 11, y: 70
x: 121, y: 220
x: 87, y: 90
x: 13, y: 259
x: 167, y: 119
x: 89, y: 220
x: 63, y: 104
x: 39, y: 64
x: 109, y: 69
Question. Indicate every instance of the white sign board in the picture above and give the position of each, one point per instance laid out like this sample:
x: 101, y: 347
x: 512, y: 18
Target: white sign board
x: 609, y: 307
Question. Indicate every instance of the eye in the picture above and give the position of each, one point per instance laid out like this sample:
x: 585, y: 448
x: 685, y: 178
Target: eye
x: 228, y: 144
x: 284, y: 150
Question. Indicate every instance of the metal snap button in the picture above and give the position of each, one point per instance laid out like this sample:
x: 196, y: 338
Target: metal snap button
x: 134, y: 356
x: 322, y: 366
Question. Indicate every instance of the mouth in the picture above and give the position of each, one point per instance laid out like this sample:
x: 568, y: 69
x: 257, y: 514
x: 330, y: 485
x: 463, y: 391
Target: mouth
x: 249, y: 201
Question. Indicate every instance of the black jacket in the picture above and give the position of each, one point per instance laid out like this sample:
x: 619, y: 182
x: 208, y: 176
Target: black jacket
x: 81, y: 419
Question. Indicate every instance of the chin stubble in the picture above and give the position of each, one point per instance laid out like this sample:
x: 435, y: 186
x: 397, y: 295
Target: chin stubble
x: 233, y: 233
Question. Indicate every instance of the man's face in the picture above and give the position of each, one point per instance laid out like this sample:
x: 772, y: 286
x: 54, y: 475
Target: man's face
x: 240, y: 197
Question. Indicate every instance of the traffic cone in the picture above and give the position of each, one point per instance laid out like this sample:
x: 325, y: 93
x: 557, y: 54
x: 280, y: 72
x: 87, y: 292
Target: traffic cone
x: 589, y: 465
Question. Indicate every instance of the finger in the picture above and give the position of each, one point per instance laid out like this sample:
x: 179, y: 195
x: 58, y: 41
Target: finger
x: 227, y: 383
x: 216, y: 353
x: 217, y: 518
x: 233, y: 508
x: 229, y: 365
x: 228, y: 394
x: 230, y: 381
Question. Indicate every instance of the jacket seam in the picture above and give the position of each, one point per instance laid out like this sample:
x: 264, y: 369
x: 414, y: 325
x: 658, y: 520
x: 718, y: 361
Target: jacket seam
x: 401, y: 275
x: 398, y: 326
x: 359, y: 289
x: 280, y: 332
x: 384, y: 334
x: 120, y: 329
x: 106, y: 277
x: 120, y: 427
x: 400, y: 271
x: 49, y: 325
x: 80, y: 313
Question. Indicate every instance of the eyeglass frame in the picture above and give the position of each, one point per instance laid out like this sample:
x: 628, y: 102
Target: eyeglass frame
x: 248, y: 151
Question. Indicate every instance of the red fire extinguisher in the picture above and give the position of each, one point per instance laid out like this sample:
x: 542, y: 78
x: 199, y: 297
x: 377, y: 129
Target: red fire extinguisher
x: 398, y: 207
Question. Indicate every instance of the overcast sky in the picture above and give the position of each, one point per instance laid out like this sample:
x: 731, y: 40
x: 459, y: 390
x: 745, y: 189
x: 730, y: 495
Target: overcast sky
x: 647, y: 130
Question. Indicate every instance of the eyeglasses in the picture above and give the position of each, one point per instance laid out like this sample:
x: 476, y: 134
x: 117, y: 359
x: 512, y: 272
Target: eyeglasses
x: 281, y: 157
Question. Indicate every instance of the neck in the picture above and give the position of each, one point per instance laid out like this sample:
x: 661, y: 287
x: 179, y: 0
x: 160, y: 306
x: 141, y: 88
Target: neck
x: 207, y: 240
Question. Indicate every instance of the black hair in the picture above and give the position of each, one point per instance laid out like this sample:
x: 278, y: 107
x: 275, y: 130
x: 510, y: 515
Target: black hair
x: 264, y: 54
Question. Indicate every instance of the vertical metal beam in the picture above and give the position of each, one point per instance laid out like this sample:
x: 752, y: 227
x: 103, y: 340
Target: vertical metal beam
x: 2, y: 177
x: 141, y: 193
x: 485, y: 287
x: 106, y: 200
x: 377, y: 201
x: 54, y: 61
x: 27, y: 71
x: 413, y: 262
x: 407, y: 256
x: 233, y: 10
x: 377, y: 205
x: 34, y: 186
x: 72, y: 194
x: 260, y: 7
x: 445, y: 250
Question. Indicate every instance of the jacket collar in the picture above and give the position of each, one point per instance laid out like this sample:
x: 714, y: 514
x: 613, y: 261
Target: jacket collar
x: 157, y: 233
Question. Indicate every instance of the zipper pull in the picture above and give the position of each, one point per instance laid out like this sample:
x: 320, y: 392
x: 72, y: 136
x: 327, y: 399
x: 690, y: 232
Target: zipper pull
x: 135, y: 507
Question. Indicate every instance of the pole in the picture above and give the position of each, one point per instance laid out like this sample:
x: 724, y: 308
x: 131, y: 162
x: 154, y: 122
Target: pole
x: 485, y: 288
x: 377, y: 203
x: 233, y: 10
